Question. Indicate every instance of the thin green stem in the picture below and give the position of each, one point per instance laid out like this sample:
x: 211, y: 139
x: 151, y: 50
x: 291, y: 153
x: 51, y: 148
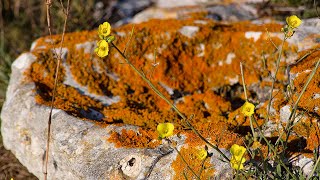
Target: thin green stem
x: 195, y: 174
x: 202, y: 166
x: 293, y: 113
x: 252, y: 129
x: 149, y: 83
x: 185, y: 175
x: 246, y: 96
x: 274, y: 78
x: 314, y: 168
x: 263, y: 137
x: 287, y: 169
x: 167, y: 101
x: 243, y: 82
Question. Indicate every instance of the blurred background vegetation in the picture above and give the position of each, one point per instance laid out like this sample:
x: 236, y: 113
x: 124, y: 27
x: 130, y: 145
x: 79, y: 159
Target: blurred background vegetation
x: 23, y: 21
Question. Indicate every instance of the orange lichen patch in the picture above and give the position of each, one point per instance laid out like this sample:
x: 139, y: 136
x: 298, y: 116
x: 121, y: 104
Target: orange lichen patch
x: 183, y: 68
x: 309, y: 101
x: 216, y: 133
x: 190, y: 155
x: 313, y: 140
x: 309, y: 129
x: 132, y: 139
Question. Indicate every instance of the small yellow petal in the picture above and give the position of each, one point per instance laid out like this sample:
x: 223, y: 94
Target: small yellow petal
x: 235, y: 164
x: 237, y: 151
x: 256, y: 145
x: 202, y: 154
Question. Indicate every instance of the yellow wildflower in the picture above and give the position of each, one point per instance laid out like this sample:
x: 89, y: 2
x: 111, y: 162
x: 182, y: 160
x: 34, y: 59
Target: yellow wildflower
x: 247, y: 109
x: 237, y: 158
x: 293, y: 21
x: 165, y: 130
x: 104, y: 30
x: 202, y: 154
x: 103, y: 48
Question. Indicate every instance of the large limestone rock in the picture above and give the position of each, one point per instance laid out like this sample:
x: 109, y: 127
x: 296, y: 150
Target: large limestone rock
x: 79, y: 149
x: 105, y: 116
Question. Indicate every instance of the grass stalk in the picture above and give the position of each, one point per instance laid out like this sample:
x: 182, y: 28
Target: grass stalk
x: 314, y: 168
x: 48, y: 3
x: 192, y: 171
x: 295, y: 106
x: 274, y: 78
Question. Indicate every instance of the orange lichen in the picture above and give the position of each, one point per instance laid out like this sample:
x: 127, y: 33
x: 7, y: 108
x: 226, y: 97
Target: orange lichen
x: 190, y: 155
x: 309, y: 129
x: 308, y: 102
x: 132, y: 139
x: 193, y: 68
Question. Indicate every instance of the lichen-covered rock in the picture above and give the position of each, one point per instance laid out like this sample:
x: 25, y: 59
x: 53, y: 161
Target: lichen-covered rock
x: 105, y: 117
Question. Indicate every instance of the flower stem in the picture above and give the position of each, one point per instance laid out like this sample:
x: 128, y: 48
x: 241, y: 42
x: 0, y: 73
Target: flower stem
x: 274, y: 78
x: 246, y: 96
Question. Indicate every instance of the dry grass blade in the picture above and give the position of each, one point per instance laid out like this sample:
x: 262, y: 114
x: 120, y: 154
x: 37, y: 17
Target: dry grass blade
x: 48, y: 3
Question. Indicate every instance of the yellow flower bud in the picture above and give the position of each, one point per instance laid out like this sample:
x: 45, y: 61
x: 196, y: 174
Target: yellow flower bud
x: 110, y: 39
x: 202, y: 154
x: 165, y: 130
x: 255, y: 145
x: 293, y: 21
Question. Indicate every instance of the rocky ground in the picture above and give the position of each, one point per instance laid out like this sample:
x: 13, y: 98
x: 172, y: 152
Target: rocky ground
x: 192, y: 22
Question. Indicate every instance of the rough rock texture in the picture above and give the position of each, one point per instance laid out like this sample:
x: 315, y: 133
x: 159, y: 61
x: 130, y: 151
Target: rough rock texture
x: 105, y: 117
x: 79, y: 148
x: 216, y: 11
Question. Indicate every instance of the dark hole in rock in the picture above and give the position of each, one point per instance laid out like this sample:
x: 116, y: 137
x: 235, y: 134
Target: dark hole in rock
x: 176, y: 94
x: 232, y: 94
x: 92, y: 114
x: 55, y: 164
x: 243, y: 130
x: 214, y: 16
x: 297, y: 145
x: 44, y: 155
x: 206, y: 114
x: 131, y: 161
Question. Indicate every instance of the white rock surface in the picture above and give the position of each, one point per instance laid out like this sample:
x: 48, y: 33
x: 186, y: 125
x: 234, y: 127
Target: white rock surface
x: 189, y: 31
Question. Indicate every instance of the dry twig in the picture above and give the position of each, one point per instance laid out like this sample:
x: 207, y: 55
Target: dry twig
x: 48, y: 4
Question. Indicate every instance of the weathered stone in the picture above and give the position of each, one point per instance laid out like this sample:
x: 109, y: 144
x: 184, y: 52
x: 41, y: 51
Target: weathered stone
x: 233, y: 12
x: 190, y: 71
